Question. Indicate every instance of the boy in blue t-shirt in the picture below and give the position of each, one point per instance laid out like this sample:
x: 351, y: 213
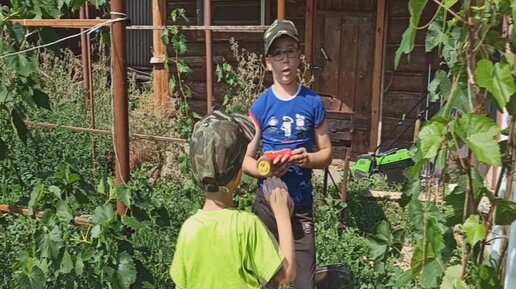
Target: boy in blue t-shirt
x: 289, y: 115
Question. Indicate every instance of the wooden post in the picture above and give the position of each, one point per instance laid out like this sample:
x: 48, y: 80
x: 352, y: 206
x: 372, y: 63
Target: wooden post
x: 161, y: 77
x: 377, y: 91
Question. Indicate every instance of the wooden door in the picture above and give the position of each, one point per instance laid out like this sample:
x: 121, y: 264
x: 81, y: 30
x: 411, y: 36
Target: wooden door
x: 343, y: 58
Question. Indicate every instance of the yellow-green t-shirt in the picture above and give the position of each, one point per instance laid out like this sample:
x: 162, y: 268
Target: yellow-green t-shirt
x: 224, y: 249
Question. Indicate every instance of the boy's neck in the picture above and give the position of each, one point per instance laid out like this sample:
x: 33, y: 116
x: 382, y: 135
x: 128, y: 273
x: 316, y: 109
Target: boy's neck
x: 218, y: 201
x: 285, y: 91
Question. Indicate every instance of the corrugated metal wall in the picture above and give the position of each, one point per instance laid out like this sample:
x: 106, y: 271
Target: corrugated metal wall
x: 139, y: 42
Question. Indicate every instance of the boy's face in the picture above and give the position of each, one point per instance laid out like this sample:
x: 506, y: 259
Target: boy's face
x: 283, y: 60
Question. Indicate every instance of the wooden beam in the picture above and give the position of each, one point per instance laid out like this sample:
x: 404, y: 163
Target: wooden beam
x: 382, y: 195
x: 59, y: 23
x: 81, y: 220
x: 309, y: 36
x: 160, y: 80
x: 377, y: 76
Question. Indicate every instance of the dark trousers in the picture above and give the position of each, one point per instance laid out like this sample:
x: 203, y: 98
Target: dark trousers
x: 304, y: 238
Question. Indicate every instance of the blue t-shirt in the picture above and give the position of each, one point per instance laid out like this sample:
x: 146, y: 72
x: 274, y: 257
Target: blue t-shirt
x: 290, y: 124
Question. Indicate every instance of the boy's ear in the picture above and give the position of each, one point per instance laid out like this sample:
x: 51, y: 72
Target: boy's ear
x: 268, y: 65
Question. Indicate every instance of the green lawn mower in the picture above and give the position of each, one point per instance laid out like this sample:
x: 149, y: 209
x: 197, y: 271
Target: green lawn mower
x: 389, y: 165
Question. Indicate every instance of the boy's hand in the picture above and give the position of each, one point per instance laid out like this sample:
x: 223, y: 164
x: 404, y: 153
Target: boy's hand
x: 279, y: 166
x: 279, y: 199
x: 300, y: 157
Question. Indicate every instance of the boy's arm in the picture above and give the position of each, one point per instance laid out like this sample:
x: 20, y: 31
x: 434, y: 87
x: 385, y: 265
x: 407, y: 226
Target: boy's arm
x: 249, y: 164
x: 280, y: 163
x: 319, y: 159
x: 279, y: 203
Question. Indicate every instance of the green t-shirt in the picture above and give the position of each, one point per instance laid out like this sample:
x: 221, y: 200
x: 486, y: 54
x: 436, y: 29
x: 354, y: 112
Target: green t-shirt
x: 224, y: 249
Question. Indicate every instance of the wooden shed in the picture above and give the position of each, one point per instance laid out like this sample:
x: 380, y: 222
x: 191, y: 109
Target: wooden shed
x: 350, y: 47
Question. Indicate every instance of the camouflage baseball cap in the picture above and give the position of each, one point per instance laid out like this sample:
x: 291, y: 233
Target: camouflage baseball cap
x: 217, y: 148
x: 277, y: 29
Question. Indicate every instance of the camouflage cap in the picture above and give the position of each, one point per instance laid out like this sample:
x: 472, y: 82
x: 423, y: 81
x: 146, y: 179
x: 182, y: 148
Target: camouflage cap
x: 217, y: 148
x: 277, y: 29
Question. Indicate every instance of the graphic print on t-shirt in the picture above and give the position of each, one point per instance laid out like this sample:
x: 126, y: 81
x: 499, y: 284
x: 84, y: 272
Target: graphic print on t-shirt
x: 287, y: 127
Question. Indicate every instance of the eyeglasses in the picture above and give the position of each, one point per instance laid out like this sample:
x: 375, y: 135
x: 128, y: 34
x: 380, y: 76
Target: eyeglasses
x: 277, y: 55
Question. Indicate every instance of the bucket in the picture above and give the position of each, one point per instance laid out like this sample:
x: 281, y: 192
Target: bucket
x: 333, y: 277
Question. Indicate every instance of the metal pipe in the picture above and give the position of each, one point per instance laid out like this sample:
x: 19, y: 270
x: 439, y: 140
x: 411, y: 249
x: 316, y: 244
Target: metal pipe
x: 281, y: 9
x: 120, y: 101
x: 102, y: 131
x: 209, y: 59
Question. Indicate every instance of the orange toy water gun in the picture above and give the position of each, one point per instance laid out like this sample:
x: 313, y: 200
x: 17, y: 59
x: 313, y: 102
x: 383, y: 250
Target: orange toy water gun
x: 264, y: 163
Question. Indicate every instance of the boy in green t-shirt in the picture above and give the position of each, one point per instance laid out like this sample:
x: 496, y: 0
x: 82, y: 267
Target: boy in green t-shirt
x: 220, y: 246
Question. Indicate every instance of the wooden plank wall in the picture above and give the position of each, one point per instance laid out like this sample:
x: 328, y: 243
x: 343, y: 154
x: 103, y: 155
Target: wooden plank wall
x: 404, y: 87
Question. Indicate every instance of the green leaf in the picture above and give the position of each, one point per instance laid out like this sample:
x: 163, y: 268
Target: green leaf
x: 440, y: 87
x: 64, y: 213
x: 126, y: 272
x: 486, y: 277
x: 455, y: 200
x: 434, y: 36
x: 41, y: 99
x: 19, y: 125
x: 404, y: 278
x: 35, y: 197
x: 56, y: 191
x: 379, y: 242
x: 179, y: 44
x: 457, y: 102
x: 449, y: 3
x: 452, y: 275
x: 18, y: 32
x: 132, y: 223
x: 164, y: 38
x: 416, y: 9
x: 505, y: 212
x: 183, y: 68
x: 124, y: 195
x: 474, y: 230
x: 430, y: 139
x: 23, y: 65
x: 432, y: 273
x: 49, y: 243
x: 33, y: 280
x: 51, y: 9
x: 66, y: 263
x: 479, y: 133
x: 172, y: 84
x: 79, y: 265
x: 497, y: 79
x: 406, y: 45
x: 103, y: 214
